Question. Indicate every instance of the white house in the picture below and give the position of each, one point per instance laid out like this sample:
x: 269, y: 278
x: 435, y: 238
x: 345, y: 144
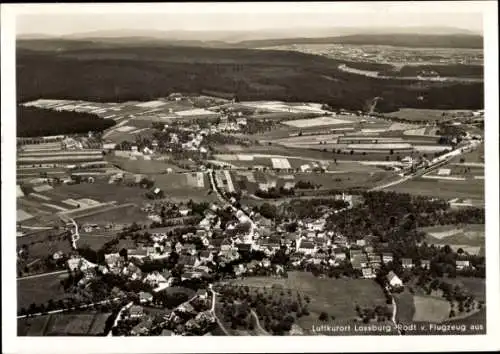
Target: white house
x: 394, y: 280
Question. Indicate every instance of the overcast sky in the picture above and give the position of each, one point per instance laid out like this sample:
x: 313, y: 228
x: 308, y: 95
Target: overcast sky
x: 68, y: 19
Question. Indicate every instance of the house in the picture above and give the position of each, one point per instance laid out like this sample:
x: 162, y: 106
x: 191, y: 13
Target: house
x: 387, y: 257
x: 306, y: 247
x: 136, y: 311
x: 58, y: 255
x: 187, y: 261
x: 206, y: 256
x: 462, y: 264
x: 355, y: 253
x: 407, y: 263
x: 425, y: 264
x: 340, y: 256
x: 202, y: 294
x: 394, y: 280
x: 361, y: 243
x: 74, y: 263
x: 244, y: 247
x: 226, y: 245
x: 368, y: 273
x: 189, y: 248
x: 239, y: 269
x: 145, y: 297
x: 363, y: 260
x: 154, y: 279
x: 137, y: 253
x: 186, y: 308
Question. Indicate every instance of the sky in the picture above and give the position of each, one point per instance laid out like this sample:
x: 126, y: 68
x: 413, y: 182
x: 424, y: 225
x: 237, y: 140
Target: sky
x: 73, y: 18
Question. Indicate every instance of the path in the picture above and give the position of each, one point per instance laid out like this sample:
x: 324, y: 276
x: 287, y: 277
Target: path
x: 212, y: 310
x: 72, y: 308
x: 262, y: 331
x: 43, y: 275
x: 394, y: 312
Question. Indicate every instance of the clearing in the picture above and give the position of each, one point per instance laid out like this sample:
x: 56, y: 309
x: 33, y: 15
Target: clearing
x: 337, y: 297
x: 430, y: 309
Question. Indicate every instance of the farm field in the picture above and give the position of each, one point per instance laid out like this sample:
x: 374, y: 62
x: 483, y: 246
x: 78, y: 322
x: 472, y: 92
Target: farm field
x: 39, y: 290
x: 142, y: 166
x: 337, y: 297
x: 468, y: 237
x: 94, y: 242
x: 316, y: 122
x: 442, y: 189
x: 103, y: 191
x: 63, y: 325
x: 425, y: 114
x: 430, y: 309
x: 121, y: 214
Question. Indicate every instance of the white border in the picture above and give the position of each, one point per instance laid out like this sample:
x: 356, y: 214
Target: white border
x: 11, y: 344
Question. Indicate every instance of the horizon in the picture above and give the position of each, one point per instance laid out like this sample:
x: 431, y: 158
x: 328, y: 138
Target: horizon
x: 71, y: 19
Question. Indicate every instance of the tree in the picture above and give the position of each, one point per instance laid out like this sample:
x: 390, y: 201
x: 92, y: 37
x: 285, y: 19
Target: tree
x: 323, y: 316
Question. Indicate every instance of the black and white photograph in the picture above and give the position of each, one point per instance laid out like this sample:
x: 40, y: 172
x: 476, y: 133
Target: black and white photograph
x: 250, y: 170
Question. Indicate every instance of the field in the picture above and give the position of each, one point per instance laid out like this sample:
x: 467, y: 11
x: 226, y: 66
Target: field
x: 476, y: 286
x: 142, y: 166
x: 430, y: 309
x: 39, y: 290
x: 95, y: 242
x: 471, y: 238
x: 121, y: 214
x: 49, y: 247
x: 337, y: 297
x: 103, y: 191
x: 183, y: 187
x: 315, y: 122
x: 442, y: 189
x: 405, y: 307
x: 425, y: 114
x: 63, y: 325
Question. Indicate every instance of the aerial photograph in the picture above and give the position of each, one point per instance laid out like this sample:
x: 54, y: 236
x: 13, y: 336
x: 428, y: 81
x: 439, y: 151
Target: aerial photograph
x: 250, y: 175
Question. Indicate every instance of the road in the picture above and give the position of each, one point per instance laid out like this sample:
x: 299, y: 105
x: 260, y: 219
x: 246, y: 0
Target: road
x: 72, y: 308
x: 436, y: 163
x: 394, y: 312
x: 75, y: 236
x: 43, y: 275
x: 212, y: 310
x: 262, y: 331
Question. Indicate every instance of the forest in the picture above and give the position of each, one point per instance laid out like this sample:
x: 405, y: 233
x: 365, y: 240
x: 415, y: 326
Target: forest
x: 143, y: 73
x: 33, y: 122
x: 404, y: 40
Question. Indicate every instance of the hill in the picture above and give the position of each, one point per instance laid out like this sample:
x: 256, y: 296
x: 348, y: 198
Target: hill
x: 112, y: 72
x: 399, y: 40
